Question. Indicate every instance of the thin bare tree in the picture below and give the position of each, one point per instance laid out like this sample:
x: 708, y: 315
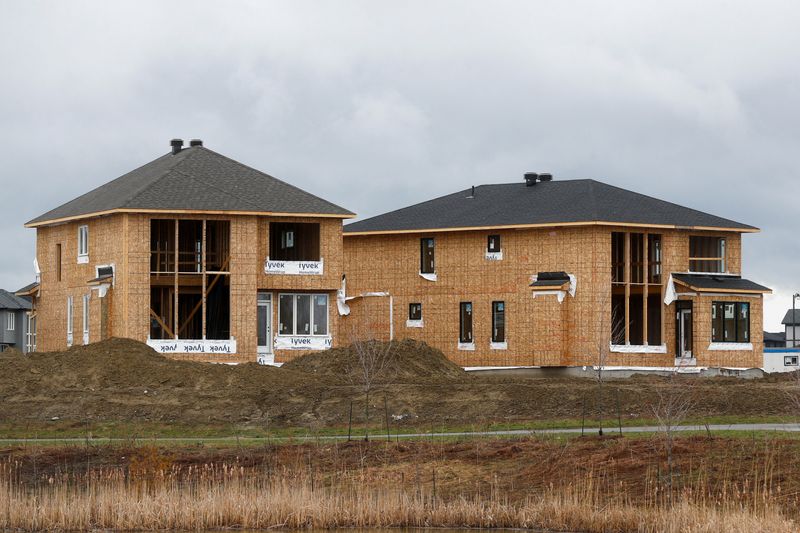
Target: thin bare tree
x: 672, y: 403
x: 374, y: 360
x: 611, y: 327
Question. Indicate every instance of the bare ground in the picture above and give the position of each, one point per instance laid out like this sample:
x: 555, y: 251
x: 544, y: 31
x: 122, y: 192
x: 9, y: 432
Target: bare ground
x: 123, y: 380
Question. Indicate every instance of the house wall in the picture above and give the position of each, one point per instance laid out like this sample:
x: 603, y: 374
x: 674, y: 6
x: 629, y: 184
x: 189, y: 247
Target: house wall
x: 124, y: 240
x: 539, y: 331
x: 16, y: 337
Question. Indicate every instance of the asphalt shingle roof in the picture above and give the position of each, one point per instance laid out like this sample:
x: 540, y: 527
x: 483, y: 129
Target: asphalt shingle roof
x: 195, y: 178
x: 9, y: 300
x: 550, y: 202
x: 791, y: 320
x: 723, y: 283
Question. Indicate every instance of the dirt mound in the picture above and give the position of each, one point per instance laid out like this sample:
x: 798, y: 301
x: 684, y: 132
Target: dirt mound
x: 399, y: 362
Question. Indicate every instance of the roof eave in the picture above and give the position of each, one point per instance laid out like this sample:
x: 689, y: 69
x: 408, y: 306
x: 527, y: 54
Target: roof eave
x: 35, y: 223
x: 747, y: 229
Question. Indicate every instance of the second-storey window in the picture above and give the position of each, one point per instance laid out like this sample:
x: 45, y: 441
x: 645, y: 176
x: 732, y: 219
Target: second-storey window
x: 493, y: 244
x: 83, y: 242
x: 498, y: 322
x: 706, y: 254
x: 303, y: 314
x: 294, y: 241
x: 427, y: 264
x: 730, y: 322
x: 465, y: 323
x: 415, y: 311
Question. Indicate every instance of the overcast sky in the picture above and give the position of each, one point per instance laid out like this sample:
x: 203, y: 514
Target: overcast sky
x: 376, y: 105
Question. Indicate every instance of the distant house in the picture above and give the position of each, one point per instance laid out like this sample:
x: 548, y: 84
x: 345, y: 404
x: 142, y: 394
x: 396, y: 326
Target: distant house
x: 774, y: 340
x: 791, y: 323
x: 13, y: 321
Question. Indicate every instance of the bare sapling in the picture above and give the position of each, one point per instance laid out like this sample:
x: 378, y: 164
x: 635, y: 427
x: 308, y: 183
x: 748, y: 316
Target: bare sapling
x: 372, y: 362
x: 672, y: 404
x: 611, y: 329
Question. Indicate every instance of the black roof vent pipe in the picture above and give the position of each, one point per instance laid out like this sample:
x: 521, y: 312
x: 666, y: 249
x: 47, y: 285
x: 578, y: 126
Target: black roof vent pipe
x: 530, y: 179
x: 196, y: 142
x: 545, y: 177
x: 177, y: 145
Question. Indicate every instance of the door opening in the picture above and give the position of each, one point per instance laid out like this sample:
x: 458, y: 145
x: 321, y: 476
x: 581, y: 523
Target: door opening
x: 683, y: 328
x: 265, y: 354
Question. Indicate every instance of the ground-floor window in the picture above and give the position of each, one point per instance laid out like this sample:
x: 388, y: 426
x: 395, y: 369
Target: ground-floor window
x: 303, y: 314
x: 730, y: 322
x: 31, y: 335
x: 498, y: 322
x: 85, y: 319
x: 465, y: 323
x: 69, y: 320
x: 415, y: 311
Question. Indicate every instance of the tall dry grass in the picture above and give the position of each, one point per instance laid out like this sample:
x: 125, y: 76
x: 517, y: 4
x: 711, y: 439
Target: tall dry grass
x: 151, y: 494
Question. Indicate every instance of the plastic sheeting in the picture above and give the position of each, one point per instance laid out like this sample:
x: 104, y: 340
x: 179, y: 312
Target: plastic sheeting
x: 414, y: 324
x: 638, y: 348
x: 429, y: 277
x: 670, y: 295
x: 560, y: 294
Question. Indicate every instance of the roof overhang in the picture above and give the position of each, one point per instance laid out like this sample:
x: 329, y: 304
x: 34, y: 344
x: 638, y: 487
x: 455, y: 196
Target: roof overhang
x: 28, y: 291
x: 552, y: 225
x: 722, y: 289
x: 50, y: 222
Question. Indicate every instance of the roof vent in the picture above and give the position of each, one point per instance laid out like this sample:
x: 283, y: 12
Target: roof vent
x: 177, y: 145
x: 530, y: 178
x: 196, y: 142
x: 545, y: 177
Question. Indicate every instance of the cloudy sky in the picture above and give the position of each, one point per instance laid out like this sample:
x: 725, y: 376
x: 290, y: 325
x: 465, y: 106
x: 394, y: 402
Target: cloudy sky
x: 375, y: 105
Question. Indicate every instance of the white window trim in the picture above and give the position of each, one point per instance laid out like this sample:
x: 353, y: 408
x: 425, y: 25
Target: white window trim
x: 10, y: 320
x: 311, y: 316
x: 638, y: 348
x: 83, y: 244
x: 415, y: 323
x: 428, y: 276
x: 466, y: 346
x: 86, y: 317
x: 70, y: 320
x: 498, y: 345
x: 730, y: 346
x: 30, y: 340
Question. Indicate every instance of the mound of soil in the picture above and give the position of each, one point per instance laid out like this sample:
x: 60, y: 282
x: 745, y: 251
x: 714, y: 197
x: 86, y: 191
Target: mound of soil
x: 406, y: 361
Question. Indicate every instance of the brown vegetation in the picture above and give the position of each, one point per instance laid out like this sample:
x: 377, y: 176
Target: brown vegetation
x: 585, y: 484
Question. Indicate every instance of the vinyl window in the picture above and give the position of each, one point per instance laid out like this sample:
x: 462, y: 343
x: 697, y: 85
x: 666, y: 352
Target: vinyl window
x: 730, y: 322
x: 86, y: 316
x: 493, y: 244
x: 303, y: 314
x: 69, y: 320
x: 465, y: 323
x: 707, y: 254
x: 83, y: 241
x: 427, y: 256
x: 10, y: 321
x: 415, y: 311
x: 498, y: 322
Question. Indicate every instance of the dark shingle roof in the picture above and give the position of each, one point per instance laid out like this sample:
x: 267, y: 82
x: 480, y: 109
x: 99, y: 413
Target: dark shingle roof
x: 550, y: 279
x: 721, y: 283
x: 9, y: 300
x: 791, y: 320
x: 775, y: 337
x: 198, y: 179
x: 551, y: 202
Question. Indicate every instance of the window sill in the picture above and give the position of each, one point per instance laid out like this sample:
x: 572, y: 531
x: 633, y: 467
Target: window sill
x: 294, y: 268
x: 730, y: 346
x: 83, y: 259
x: 414, y: 323
x: 466, y: 346
x: 494, y: 256
x: 638, y: 348
x: 498, y: 346
x: 685, y: 361
x: 429, y: 276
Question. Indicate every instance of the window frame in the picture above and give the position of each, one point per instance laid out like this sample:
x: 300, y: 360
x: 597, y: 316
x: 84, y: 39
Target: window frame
x: 718, y: 321
x: 720, y: 259
x: 83, y: 241
x: 465, y: 308
x: 10, y: 321
x: 422, y: 255
x: 494, y: 240
x: 70, y: 320
x: 790, y: 360
x: 85, y: 315
x: 411, y: 311
x: 495, y: 311
x: 312, y: 313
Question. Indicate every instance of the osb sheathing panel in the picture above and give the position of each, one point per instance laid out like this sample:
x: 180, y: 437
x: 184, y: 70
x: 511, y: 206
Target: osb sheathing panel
x: 124, y: 239
x: 539, y: 331
x: 105, y: 247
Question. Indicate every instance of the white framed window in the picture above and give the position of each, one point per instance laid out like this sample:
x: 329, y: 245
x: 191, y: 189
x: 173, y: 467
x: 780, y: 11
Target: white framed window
x: 69, y: 320
x: 83, y: 244
x: 86, y: 318
x: 303, y: 314
x: 10, y: 321
x: 31, y: 335
x: 790, y: 360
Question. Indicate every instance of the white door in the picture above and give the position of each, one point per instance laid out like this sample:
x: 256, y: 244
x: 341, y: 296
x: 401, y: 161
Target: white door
x: 265, y: 355
x: 685, y: 333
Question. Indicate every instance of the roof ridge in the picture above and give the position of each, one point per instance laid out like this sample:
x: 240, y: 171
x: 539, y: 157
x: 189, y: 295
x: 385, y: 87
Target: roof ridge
x: 262, y: 173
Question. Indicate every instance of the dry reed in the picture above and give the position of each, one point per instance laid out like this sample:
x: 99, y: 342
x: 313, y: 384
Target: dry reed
x: 154, y: 495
